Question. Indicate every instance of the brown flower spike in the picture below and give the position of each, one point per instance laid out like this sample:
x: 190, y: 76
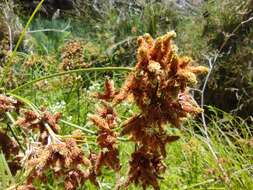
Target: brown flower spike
x: 145, y: 167
x: 159, y: 88
x: 159, y: 82
x: 105, y: 120
x: 109, y: 92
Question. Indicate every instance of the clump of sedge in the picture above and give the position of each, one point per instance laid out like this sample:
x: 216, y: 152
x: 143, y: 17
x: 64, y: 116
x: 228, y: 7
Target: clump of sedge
x: 158, y: 86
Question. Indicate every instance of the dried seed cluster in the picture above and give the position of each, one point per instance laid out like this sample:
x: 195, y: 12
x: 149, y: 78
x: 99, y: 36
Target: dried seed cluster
x: 72, y: 56
x: 36, y: 122
x: 145, y: 168
x: 65, y: 159
x: 8, y: 104
x: 105, y: 120
x: 159, y: 88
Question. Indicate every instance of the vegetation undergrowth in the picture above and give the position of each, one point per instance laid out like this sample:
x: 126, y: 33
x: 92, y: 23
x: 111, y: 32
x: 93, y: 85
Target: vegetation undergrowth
x: 76, y: 64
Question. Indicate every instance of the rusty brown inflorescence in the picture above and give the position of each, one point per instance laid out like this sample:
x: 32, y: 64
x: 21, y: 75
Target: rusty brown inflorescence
x: 159, y: 88
x: 32, y: 121
x: 105, y: 120
x: 65, y: 159
x: 72, y: 56
x: 8, y: 104
x: 159, y: 83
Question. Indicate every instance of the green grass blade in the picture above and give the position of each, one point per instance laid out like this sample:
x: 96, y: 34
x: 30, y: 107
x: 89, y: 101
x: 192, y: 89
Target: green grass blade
x: 22, y: 35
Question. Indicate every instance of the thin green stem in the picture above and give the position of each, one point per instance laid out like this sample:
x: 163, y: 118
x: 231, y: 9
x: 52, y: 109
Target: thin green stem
x: 79, y: 127
x: 12, y: 130
x: 95, y: 69
x: 24, y: 100
x: 200, y: 184
x: 7, y: 67
x: 3, y: 160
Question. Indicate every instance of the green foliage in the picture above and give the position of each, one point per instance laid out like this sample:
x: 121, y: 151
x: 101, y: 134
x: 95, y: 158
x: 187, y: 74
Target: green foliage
x: 51, y: 41
x: 6, y: 178
x: 231, y: 80
x: 212, y: 28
